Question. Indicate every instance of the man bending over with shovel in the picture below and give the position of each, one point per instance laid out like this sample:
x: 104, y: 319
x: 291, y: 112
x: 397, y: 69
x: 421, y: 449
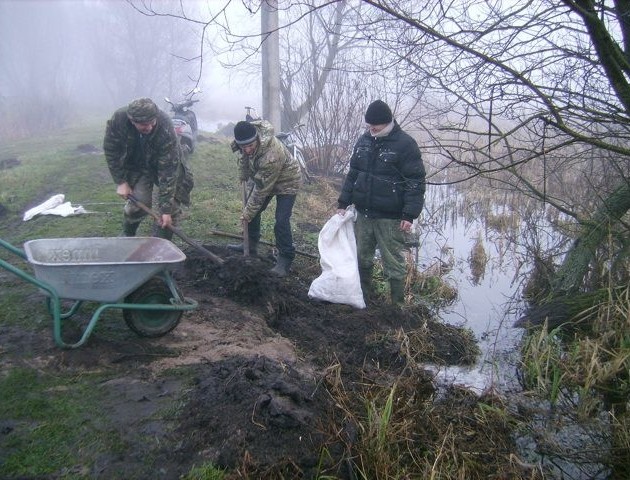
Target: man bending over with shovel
x: 268, y: 169
x: 142, y: 150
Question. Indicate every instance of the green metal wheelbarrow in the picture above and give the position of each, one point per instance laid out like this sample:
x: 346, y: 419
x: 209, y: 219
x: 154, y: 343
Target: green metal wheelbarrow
x: 128, y: 273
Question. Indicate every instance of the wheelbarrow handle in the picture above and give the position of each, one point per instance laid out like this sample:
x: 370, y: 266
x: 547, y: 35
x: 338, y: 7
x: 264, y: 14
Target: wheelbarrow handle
x: 216, y: 259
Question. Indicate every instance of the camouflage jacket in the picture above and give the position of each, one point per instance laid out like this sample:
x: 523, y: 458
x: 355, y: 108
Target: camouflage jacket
x: 271, y: 170
x: 130, y: 155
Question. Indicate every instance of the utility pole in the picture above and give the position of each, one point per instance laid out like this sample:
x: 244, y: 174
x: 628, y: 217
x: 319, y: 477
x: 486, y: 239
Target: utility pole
x: 270, y: 39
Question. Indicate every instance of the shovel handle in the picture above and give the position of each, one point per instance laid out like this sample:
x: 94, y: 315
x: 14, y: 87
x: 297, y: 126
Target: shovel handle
x: 178, y: 232
x: 245, y: 224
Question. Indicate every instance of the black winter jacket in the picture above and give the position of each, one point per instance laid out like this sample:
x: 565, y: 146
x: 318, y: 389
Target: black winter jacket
x: 386, y: 177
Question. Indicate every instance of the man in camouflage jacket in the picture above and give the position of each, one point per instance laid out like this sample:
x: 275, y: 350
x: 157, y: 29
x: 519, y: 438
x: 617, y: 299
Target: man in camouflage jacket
x: 142, y: 150
x: 270, y: 170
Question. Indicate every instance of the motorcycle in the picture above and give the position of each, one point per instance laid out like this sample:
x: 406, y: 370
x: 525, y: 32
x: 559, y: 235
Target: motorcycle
x: 185, y: 121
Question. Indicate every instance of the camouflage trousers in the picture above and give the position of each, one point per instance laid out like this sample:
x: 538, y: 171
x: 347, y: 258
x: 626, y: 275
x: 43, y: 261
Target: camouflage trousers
x: 144, y: 191
x: 384, y: 234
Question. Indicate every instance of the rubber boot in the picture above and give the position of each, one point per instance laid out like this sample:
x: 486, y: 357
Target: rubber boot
x: 397, y: 292
x: 281, y: 269
x: 365, y: 275
x: 130, y: 229
x: 239, y: 247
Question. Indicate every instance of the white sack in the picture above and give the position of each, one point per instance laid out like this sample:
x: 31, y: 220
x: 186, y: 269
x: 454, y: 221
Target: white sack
x: 65, y: 210
x: 339, y: 281
x: 52, y: 202
x: 54, y: 206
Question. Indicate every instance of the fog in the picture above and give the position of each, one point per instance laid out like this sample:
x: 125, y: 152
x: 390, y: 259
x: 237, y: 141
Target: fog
x: 68, y: 60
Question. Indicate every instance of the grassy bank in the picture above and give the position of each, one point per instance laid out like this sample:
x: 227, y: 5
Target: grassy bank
x: 64, y: 164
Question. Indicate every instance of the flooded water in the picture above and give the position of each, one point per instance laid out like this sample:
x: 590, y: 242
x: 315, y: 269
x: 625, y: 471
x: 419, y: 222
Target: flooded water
x: 488, y: 298
x: 488, y: 303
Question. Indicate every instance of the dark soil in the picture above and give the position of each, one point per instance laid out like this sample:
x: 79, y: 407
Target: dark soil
x: 271, y: 417
x: 273, y: 378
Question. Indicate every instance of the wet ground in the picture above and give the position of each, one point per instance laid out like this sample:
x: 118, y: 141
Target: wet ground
x: 273, y: 379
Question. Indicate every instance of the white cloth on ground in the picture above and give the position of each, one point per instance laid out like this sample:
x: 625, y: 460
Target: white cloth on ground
x: 54, y: 206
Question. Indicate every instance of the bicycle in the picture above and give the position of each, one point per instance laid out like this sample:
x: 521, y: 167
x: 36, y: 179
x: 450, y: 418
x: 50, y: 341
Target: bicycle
x: 249, y: 117
x: 288, y: 138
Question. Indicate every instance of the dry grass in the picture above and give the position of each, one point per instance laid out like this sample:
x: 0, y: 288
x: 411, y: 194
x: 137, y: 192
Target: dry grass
x: 586, y: 371
x: 400, y: 428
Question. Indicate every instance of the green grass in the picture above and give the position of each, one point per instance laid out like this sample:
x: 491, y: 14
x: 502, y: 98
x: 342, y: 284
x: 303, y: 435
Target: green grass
x: 205, y: 472
x: 13, y: 310
x: 52, y: 421
x: 54, y: 165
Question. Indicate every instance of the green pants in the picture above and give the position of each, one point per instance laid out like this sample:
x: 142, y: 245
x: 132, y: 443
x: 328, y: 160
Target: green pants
x: 384, y: 234
x: 145, y: 191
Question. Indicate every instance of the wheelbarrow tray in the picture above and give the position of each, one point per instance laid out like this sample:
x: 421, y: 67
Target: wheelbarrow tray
x: 100, y: 269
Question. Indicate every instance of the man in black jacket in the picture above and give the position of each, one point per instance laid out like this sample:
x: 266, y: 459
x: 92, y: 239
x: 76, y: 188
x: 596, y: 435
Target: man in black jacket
x: 386, y: 184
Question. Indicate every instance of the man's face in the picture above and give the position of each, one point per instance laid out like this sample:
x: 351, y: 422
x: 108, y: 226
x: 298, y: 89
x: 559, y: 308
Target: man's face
x: 374, y: 129
x: 250, y: 148
x: 145, y: 127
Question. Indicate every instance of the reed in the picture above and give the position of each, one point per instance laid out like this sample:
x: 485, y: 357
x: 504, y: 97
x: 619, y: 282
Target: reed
x: 587, y: 370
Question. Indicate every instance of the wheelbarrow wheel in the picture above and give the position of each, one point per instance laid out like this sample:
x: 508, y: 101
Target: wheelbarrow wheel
x: 151, y: 323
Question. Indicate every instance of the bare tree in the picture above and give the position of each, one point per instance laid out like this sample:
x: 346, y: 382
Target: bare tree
x: 534, y: 94
x: 329, y: 78
x: 142, y: 56
x: 316, y: 89
x: 310, y: 53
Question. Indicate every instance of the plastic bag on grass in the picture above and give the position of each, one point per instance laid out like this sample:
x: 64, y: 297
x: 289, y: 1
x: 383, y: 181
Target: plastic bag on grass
x: 52, y: 202
x: 54, y: 206
x: 339, y: 281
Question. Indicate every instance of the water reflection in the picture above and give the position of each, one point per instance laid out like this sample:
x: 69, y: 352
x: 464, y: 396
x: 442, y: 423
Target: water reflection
x: 477, y: 261
x: 486, y: 246
x: 483, y: 270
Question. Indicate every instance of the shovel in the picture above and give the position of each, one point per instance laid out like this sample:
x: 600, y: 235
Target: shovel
x: 178, y: 232
x: 245, y: 224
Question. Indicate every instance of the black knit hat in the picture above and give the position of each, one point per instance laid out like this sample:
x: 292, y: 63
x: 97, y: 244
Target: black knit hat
x: 244, y: 133
x: 378, y: 113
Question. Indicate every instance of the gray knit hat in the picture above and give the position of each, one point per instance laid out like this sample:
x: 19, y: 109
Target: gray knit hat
x: 142, y: 110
